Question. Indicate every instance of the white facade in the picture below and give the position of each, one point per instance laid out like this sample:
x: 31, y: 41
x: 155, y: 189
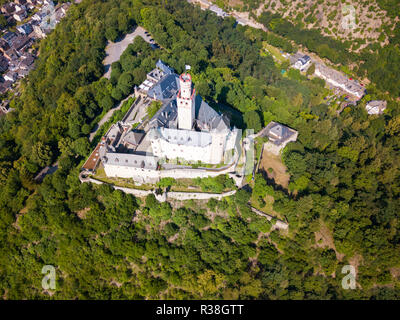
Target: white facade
x: 336, y: 79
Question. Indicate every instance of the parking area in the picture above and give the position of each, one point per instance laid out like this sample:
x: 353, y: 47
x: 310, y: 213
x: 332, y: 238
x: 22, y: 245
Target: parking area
x: 115, y: 49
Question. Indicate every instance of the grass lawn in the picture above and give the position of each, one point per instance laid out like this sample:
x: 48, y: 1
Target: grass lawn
x: 274, y: 52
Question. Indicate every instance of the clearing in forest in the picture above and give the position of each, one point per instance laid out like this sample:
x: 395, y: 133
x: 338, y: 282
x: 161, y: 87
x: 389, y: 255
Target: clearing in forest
x: 273, y: 166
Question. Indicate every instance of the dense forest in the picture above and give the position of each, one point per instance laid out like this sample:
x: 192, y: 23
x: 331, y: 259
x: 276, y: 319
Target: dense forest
x: 109, y: 245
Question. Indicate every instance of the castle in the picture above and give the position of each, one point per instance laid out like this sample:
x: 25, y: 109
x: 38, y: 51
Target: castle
x: 185, y: 128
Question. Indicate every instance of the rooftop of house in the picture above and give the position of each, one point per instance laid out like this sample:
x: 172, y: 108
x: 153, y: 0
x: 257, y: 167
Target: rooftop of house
x: 166, y: 88
x: 376, y: 106
x: 217, y: 10
x: 207, y: 118
x: 28, y: 60
x: 25, y: 28
x: 166, y: 116
x: 164, y: 67
x: 20, y: 42
x: 304, y: 59
x: 278, y: 133
x: 9, y: 37
x: 4, y: 46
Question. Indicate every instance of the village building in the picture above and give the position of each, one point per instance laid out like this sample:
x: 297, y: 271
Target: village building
x: 10, y: 76
x: 20, y: 15
x: 5, y: 85
x: 8, y: 8
x: 339, y: 80
x: 302, y: 63
x: 9, y: 37
x: 4, y: 46
x: 21, y: 42
x: 11, y: 55
x: 279, y: 136
x: 218, y: 11
x: 376, y: 106
x: 3, y: 64
x: 25, y: 29
x: 20, y: 8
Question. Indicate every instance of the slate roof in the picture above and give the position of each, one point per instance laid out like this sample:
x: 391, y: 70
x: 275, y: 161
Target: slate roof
x: 166, y: 88
x: 278, y: 133
x: 25, y: 28
x: 304, y: 59
x: 130, y: 160
x: 183, y: 137
x: 9, y: 37
x: 207, y: 118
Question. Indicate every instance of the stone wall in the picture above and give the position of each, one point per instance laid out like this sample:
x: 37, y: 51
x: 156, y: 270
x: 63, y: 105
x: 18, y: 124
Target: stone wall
x: 166, y: 195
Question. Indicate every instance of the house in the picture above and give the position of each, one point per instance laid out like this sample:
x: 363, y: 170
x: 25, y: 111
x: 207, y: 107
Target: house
x: 25, y: 28
x: 9, y: 37
x: 376, y: 106
x: 19, y: 8
x: 8, y: 8
x: 339, y: 80
x: 4, y: 46
x: 5, y: 85
x: 22, y: 73
x: 302, y: 63
x: 41, y: 31
x: 11, y: 76
x: 279, y: 136
x: 10, y: 21
x: 241, y: 21
x: 4, y: 105
x: 20, y: 42
x: 218, y: 11
x: 38, y: 16
x: 20, y: 15
x: 11, y: 54
x: 27, y: 62
x: 3, y: 64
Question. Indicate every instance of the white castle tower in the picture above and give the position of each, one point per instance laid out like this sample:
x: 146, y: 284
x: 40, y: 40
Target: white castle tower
x: 185, y: 101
